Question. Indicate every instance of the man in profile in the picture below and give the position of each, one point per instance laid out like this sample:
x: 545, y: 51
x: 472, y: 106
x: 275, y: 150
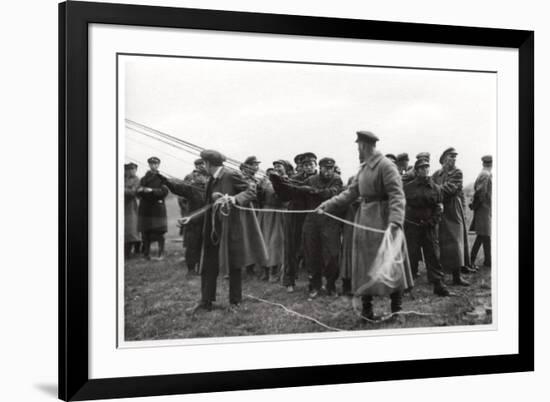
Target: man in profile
x: 229, y: 241
x: 378, y: 183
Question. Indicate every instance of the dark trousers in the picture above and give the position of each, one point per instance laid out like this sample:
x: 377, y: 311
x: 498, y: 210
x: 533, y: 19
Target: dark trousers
x: 395, y: 297
x: 424, y: 238
x: 150, y: 237
x: 209, y: 276
x: 193, y: 243
x: 484, y: 241
x: 321, y: 250
x: 293, y: 245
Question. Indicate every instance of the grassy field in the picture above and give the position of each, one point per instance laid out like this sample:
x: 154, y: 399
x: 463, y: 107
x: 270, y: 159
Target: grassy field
x: 157, y: 293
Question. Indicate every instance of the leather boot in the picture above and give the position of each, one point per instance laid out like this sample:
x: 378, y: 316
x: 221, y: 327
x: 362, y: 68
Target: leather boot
x: 440, y: 289
x: 457, y: 280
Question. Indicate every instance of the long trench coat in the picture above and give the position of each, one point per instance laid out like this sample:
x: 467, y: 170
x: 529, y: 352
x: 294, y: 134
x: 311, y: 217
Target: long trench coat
x: 378, y: 183
x: 347, y: 238
x: 237, y: 236
x: 481, y: 224
x: 152, y: 208
x: 131, y: 233
x: 272, y: 224
x: 453, y: 236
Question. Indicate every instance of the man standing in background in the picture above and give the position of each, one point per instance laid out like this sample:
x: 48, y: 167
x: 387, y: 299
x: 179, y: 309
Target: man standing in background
x: 152, y: 209
x: 453, y: 240
x: 482, y: 205
x: 131, y: 234
x: 192, y: 231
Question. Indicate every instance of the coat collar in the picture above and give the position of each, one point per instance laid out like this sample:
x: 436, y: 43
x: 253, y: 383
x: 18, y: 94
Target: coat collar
x: 373, y: 160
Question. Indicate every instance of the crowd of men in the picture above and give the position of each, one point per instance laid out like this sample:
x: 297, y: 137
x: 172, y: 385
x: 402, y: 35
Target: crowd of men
x: 284, y: 221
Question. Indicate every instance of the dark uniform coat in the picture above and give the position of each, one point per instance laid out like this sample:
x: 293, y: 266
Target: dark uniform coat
x: 481, y: 224
x: 379, y: 184
x: 453, y: 236
x: 152, y: 208
x: 237, y: 235
x: 131, y: 233
x: 421, y: 219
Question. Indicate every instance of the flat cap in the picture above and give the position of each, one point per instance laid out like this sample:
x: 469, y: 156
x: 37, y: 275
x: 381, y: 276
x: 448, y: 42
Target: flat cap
x: 153, y: 159
x: 402, y: 157
x: 448, y: 151
x: 487, y: 159
x: 309, y: 156
x: 423, y: 155
x: 327, y: 162
x: 130, y: 165
x: 251, y: 160
x: 199, y: 161
x: 214, y: 157
x: 366, y: 136
x: 298, y: 158
x: 421, y: 162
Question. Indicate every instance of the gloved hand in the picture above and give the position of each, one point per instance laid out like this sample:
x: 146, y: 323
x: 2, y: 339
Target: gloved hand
x: 216, y: 196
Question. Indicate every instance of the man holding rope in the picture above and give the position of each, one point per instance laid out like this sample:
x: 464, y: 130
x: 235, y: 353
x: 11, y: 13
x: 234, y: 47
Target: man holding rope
x: 378, y: 182
x: 229, y: 241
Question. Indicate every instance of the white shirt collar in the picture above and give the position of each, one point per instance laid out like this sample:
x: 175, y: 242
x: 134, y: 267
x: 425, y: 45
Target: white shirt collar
x: 217, y: 172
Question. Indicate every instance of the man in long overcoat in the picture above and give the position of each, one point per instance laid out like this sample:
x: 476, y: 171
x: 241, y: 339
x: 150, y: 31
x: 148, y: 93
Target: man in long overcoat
x: 230, y: 241
x: 482, y: 205
x: 453, y: 235
x: 152, y: 209
x: 378, y: 183
x: 131, y: 234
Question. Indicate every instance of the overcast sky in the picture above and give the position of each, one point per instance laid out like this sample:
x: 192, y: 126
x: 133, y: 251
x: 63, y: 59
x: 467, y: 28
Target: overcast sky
x: 276, y: 110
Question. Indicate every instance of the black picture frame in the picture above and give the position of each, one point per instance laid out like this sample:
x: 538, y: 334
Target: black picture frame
x: 74, y: 18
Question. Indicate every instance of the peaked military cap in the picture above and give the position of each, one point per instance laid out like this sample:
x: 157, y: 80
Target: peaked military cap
x: 448, y: 151
x: 391, y: 157
x: 130, y: 165
x: 153, y: 159
x: 423, y: 155
x: 366, y: 136
x: 327, y: 162
x: 298, y: 158
x: 214, y: 157
x: 309, y: 156
x: 421, y: 162
x: 199, y: 161
x: 487, y: 159
x: 279, y: 162
x: 251, y: 160
x: 403, y: 157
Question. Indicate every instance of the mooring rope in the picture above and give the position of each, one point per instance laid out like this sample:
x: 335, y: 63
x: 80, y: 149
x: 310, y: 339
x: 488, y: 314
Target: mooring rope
x: 290, y: 311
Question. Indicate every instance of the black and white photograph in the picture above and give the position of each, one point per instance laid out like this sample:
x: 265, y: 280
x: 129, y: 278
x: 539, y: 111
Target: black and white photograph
x: 271, y: 197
